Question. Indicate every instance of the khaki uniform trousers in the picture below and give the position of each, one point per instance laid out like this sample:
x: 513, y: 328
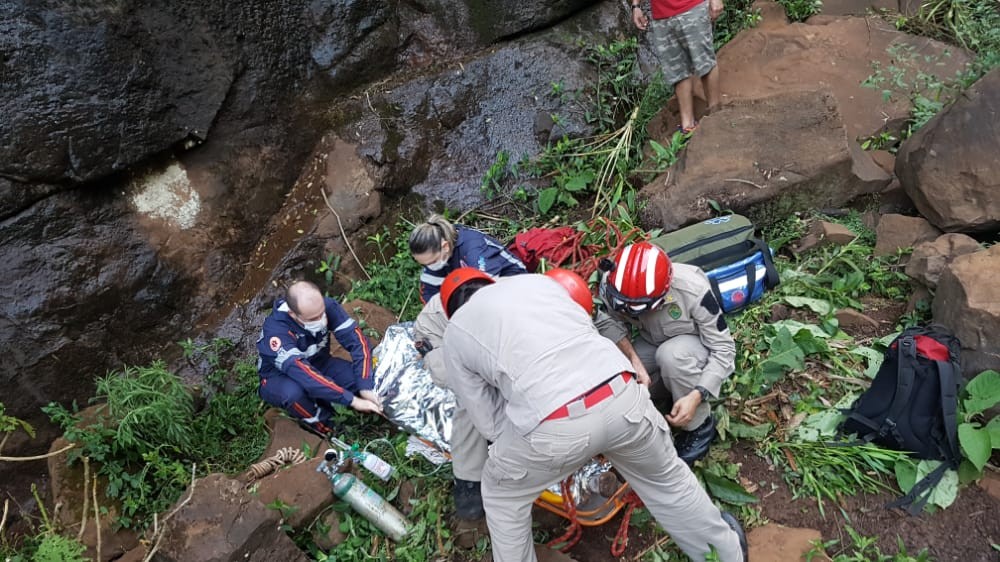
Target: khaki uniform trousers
x: 633, y: 435
x: 675, y: 368
x: 468, y: 447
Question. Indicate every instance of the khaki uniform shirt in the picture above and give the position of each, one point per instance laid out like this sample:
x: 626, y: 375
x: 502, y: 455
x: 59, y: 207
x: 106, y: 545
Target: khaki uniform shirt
x: 520, y: 349
x: 690, y: 307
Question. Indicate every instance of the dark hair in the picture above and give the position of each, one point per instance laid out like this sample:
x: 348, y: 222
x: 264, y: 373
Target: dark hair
x: 294, y: 292
x: 463, y: 293
x: 428, y: 236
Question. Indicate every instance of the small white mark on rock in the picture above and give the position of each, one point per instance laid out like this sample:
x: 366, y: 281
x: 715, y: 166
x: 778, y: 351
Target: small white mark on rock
x: 168, y: 195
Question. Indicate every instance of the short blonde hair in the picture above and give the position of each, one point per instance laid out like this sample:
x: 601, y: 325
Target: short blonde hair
x: 428, y: 236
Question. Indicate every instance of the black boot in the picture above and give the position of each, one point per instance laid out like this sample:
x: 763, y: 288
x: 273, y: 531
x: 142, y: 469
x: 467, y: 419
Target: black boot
x: 730, y: 520
x: 468, y: 500
x: 693, y: 445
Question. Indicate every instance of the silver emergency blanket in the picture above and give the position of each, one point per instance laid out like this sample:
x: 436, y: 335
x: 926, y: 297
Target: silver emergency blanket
x: 580, y: 489
x: 410, y: 399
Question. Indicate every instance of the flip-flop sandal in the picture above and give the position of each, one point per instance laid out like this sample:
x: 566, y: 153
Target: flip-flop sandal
x: 687, y: 130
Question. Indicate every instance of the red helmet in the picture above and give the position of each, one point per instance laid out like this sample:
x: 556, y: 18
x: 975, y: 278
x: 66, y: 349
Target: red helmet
x: 575, y: 286
x: 456, y: 279
x: 639, y: 281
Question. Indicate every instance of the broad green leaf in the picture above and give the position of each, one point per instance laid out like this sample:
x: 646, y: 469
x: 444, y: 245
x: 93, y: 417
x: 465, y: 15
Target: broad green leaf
x: 726, y: 490
x: 754, y: 432
x: 546, y: 198
x: 993, y: 428
x: 810, y: 343
x: 945, y: 492
x: 579, y: 181
x: 983, y: 391
x: 884, y: 341
x: 967, y: 472
x: 875, y: 359
x: 906, y: 475
x: 821, y: 425
x: 818, y: 306
x: 660, y: 150
x: 795, y: 327
x: 975, y: 443
x: 785, y: 355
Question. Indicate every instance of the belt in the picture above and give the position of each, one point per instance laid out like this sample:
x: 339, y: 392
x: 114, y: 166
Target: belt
x: 591, y: 398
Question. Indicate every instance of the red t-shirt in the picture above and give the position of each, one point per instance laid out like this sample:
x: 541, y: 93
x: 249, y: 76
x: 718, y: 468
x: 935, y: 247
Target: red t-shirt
x: 668, y: 8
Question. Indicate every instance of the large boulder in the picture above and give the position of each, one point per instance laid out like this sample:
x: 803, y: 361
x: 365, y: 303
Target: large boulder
x: 950, y: 167
x: 968, y: 301
x: 929, y: 259
x: 776, y: 155
x: 896, y: 232
x: 218, y: 521
x: 836, y: 54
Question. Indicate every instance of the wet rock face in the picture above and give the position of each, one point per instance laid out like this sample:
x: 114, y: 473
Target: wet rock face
x: 93, y: 90
x: 79, y: 288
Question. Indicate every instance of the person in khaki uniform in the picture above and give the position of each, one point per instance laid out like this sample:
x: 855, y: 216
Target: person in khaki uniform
x: 683, y: 346
x: 551, y: 393
x: 468, y: 448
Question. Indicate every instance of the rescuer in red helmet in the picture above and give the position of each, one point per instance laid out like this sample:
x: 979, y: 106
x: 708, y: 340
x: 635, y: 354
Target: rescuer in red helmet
x: 683, y: 346
x: 540, y: 382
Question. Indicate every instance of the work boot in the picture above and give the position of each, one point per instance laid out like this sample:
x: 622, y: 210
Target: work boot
x: 730, y: 520
x: 467, y: 532
x: 468, y: 500
x: 693, y: 445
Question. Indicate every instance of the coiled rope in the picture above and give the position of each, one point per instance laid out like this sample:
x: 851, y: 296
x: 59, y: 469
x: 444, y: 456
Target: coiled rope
x: 285, y: 455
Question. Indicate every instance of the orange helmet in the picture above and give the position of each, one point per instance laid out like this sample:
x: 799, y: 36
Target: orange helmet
x: 575, y: 286
x: 456, y: 279
x: 639, y: 279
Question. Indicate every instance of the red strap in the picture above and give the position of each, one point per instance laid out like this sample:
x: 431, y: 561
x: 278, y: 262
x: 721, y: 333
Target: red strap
x: 574, y: 531
x: 632, y: 501
x: 590, y: 399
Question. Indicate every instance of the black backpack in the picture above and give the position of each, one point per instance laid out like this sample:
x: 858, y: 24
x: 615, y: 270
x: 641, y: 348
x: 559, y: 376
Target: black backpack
x: 911, y: 405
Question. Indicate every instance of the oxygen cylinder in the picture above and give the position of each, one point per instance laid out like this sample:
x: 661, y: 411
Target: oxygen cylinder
x: 376, y: 465
x: 372, y: 506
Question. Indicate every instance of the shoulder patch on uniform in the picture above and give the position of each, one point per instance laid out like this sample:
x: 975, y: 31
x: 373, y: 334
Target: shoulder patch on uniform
x: 674, y: 310
x: 721, y: 324
x: 274, y: 343
x: 710, y: 303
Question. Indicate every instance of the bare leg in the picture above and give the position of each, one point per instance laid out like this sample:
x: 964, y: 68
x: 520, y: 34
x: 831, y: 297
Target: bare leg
x: 710, y: 84
x: 685, y: 99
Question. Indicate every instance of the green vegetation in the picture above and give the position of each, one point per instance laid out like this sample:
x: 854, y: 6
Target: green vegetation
x: 148, y: 437
x: 737, y: 15
x: 971, y: 24
x: 801, y: 10
x: 44, y: 544
x: 393, y: 278
x: 863, y: 549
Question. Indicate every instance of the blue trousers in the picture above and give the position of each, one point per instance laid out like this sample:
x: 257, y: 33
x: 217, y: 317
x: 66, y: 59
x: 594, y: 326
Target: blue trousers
x: 303, y: 400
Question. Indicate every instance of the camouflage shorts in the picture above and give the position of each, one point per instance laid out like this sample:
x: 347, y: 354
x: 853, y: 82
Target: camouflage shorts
x: 683, y: 44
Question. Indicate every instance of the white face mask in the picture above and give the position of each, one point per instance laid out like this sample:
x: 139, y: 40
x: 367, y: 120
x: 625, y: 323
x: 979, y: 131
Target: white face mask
x: 316, y: 326
x: 437, y: 266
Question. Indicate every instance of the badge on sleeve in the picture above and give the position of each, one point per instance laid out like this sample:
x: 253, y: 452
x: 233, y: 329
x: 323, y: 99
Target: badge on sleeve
x: 275, y: 343
x: 674, y: 310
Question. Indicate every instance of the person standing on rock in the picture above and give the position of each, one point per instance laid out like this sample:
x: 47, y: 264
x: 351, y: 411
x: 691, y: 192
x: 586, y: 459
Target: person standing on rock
x: 682, y: 38
x: 551, y: 393
x: 296, y: 370
x: 442, y: 247
x: 684, y: 346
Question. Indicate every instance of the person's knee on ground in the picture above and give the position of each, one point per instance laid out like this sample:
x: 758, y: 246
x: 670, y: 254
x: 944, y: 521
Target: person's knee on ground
x: 290, y: 397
